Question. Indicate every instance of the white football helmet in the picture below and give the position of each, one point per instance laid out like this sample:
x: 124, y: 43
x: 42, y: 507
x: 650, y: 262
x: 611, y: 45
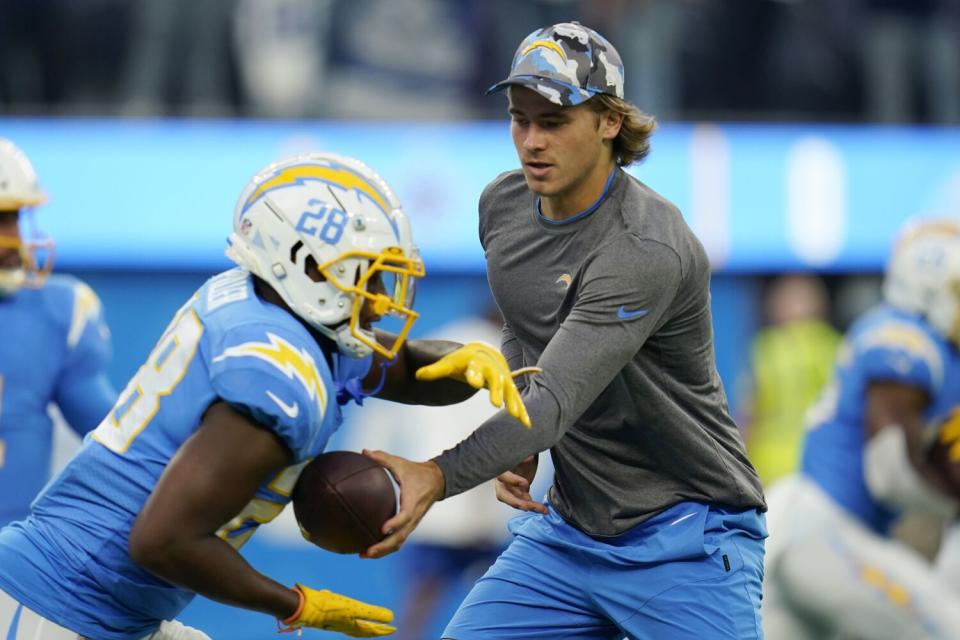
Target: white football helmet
x: 923, y: 274
x: 334, y: 218
x: 20, y: 191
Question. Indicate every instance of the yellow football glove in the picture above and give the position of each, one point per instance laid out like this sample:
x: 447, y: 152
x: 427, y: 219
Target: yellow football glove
x: 482, y: 366
x: 333, y: 612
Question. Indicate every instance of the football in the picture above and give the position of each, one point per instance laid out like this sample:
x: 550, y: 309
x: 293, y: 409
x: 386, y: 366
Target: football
x: 342, y: 499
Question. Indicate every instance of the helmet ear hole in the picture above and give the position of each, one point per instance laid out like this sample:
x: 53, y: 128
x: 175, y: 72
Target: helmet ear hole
x: 312, y: 269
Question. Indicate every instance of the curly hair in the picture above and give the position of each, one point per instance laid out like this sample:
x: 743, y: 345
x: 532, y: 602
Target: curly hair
x: 632, y: 144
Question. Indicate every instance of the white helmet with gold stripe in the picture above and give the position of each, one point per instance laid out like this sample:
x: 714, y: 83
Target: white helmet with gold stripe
x: 328, y: 234
x: 20, y: 191
x: 923, y: 274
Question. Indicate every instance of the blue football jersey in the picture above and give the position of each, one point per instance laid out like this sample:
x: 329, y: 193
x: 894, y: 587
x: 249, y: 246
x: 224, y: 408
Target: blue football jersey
x: 69, y: 561
x: 54, y: 349
x: 884, y: 345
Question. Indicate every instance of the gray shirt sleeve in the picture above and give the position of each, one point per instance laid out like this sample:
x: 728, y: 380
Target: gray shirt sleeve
x: 627, y: 287
x: 512, y: 351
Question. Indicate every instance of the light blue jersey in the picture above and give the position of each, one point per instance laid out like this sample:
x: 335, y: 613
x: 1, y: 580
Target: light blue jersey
x: 885, y: 345
x: 54, y: 349
x: 69, y: 560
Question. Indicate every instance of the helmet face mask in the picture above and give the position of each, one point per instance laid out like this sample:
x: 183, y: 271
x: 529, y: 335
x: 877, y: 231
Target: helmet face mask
x: 19, y: 193
x: 923, y: 274
x: 329, y: 236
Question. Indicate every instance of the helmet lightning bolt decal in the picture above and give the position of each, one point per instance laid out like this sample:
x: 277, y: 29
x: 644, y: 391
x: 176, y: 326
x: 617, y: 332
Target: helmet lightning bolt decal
x: 336, y: 175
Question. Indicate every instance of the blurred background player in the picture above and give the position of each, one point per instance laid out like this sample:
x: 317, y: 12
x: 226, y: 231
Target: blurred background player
x: 655, y: 523
x: 244, y: 387
x: 791, y: 360
x: 832, y: 568
x: 55, y: 343
x: 458, y: 539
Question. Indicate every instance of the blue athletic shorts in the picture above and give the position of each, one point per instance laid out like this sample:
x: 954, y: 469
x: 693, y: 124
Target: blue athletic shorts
x: 692, y: 572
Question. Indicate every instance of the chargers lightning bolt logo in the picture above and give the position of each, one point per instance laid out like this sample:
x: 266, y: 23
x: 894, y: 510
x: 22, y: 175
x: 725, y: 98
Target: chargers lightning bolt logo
x: 545, y: 44
x: 295, y: 363
x: 335, y: 175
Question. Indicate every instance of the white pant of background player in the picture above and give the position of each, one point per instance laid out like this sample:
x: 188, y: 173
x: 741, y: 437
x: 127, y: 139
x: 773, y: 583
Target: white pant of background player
x: 828, y: 577
x: 19, y: 623
x: 948, y: 559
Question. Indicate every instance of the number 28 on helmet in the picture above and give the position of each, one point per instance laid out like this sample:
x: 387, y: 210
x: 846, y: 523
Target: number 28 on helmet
x: 328, y: 234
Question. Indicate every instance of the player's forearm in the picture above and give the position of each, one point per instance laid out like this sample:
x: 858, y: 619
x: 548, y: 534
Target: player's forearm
x: 403, y: 386
x: 210, y: 567
x: 500, y: 444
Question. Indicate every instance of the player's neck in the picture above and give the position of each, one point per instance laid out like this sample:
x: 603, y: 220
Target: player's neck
x: 580, y: 197
x: 268, y: 294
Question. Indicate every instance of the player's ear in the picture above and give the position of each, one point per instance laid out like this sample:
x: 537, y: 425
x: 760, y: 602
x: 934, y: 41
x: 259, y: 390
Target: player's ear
x: 610, y: 123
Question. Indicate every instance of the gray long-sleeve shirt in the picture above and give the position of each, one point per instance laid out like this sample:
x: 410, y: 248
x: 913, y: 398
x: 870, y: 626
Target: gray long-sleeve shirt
x: 614, y: 305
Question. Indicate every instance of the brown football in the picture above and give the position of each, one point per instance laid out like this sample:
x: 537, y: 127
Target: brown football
x: 342, y: 499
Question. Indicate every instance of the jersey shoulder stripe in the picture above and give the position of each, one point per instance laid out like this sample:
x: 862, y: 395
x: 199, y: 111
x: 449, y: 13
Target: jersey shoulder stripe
x: 295, y: 363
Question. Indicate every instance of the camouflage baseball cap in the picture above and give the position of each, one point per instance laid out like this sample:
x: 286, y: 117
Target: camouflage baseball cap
x: 566, y: 63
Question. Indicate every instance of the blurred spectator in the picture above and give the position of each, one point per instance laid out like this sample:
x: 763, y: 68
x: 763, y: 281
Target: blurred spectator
x: 460, y: 537
x: 791, y: 361
x: 911, y: 60
x: 179, y: 55
x: 281, y: 52
x: 401, y: 59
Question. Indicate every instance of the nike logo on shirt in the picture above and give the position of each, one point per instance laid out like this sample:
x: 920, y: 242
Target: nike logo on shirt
x: 623, y: 314
x: 292, y: 410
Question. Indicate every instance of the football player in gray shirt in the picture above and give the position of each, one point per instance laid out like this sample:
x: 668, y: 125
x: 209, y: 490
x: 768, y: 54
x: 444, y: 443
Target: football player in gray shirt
x: 654, y: 526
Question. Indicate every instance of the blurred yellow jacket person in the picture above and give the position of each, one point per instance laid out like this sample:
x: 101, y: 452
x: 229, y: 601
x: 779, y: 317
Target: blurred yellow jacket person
x: 792, y: 360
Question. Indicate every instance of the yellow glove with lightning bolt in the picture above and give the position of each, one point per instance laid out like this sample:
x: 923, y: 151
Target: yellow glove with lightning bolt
x: 333, y: 612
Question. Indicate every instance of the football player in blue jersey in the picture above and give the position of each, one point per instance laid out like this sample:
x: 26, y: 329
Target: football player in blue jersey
x: 832, y: 569
x: 55, y: 345
x: 244, y: 387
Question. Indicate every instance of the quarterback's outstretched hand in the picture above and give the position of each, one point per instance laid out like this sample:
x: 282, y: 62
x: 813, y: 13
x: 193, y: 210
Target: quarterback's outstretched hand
x: 333, y: 612
x: 513, y: 487
x: 482, y: 366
